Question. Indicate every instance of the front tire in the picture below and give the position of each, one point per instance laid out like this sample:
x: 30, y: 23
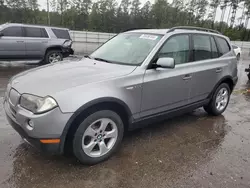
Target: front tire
x: 98, y: 137
x: 219, y: 101
x: 248, y: 75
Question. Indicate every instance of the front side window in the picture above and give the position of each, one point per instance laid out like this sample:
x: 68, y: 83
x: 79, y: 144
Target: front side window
x: 35, y: 32
x: 13, y: 31
x: 176, y: 47
x: 127, y: 48
x: 202, y: 47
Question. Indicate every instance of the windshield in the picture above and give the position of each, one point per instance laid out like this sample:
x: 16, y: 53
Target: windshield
x: 127, y: 48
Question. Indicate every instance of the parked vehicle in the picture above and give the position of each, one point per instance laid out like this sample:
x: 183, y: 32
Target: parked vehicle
x: 33, y: 42
x: 237, y: 51
x: 136, y: 77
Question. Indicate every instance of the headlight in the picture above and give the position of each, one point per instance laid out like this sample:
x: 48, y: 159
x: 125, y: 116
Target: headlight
x: 37, y: 104
x: 67, y: 43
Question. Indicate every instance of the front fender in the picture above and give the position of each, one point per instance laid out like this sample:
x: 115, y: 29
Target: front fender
x: 72, y: 99
x: 85, y: 107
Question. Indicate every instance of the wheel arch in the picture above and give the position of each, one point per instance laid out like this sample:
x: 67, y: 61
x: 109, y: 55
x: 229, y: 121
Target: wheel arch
x: 55, y: 47
x: 108, y: 103
x: 226, y: 79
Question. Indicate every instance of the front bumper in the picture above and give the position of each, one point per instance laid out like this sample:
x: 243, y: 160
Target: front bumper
x: 67, y: 51
x: 49, y: 125
x: 35, y: 142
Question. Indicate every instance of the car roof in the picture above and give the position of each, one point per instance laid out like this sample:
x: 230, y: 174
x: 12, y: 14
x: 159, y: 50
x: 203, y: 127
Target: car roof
x: 30, y: 25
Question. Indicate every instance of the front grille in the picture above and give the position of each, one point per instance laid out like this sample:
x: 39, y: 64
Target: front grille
x: 14, y: 97
x: 13, y: 100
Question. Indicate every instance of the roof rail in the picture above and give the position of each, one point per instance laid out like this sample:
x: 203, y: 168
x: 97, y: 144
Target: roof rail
x: 193, y: 28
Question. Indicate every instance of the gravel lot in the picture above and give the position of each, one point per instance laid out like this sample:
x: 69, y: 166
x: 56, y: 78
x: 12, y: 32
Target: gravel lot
x: 193, y: 150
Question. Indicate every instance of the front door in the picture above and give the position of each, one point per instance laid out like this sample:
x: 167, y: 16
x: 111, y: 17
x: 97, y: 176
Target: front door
x: 167, y: 89
x: 12, y: 44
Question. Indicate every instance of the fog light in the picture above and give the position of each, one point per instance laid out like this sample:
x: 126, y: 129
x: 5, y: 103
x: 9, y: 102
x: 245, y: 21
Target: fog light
x: 30, y: 125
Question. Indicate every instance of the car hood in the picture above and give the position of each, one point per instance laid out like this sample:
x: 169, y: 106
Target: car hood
x: 53, y: 78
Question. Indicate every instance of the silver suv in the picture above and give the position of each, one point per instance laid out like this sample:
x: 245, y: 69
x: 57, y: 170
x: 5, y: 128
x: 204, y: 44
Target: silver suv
x: 32, y: 42
x: 136, y: 77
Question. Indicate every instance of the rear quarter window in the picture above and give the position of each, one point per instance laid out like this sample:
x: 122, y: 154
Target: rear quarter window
x: 223, y: 45
x: 61, y: 33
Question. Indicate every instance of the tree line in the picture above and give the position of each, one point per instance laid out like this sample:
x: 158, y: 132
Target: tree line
x: 109, y: 16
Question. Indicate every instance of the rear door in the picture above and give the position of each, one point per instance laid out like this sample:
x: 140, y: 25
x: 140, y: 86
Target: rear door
x: 12, y: 44
x: 36, y: 41
x: 207, y: 66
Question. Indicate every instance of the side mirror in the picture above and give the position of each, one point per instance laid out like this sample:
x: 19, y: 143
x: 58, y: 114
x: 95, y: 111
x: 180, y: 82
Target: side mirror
x: 1, y: 34
x: 166, y: 62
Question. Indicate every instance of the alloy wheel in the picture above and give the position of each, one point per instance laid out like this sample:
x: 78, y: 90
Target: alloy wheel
x: 222, y: 99
x: 100, y: 137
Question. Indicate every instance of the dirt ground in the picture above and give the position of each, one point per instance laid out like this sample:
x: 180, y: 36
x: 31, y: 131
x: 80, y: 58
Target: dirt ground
x: 193, y: 150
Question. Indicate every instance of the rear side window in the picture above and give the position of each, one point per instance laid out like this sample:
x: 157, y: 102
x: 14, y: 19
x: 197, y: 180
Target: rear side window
x: 61, y: 33
x: 223, y: 45
x: 13, y: 31
x: 215, y: 53
x: 202, y: 47
x: 35, y: 32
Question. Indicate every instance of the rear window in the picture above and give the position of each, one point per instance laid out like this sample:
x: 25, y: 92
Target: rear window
x: 35, y: 32
x: 202, y: 47
x: 223, y: 45
x: 61, y: 33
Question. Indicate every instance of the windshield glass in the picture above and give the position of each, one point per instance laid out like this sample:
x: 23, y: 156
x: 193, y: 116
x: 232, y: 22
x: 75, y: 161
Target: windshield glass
x: 127, y: 48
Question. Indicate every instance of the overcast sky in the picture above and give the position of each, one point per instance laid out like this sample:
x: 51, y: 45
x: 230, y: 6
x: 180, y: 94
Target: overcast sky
x: 43, y: 5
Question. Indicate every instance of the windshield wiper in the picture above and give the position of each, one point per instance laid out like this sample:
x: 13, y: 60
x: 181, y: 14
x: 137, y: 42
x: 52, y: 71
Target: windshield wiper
x: 100, y: 59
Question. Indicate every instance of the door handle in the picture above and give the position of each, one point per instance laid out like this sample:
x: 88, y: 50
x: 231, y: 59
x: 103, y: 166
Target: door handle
x: 218, y: 70
x: 20, y: 41
x: 44, y: 41
x: 187, y: 77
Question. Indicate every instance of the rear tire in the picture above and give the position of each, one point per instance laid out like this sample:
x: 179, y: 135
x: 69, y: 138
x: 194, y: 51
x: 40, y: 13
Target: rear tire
x: 98, y: 137
x: 219, y: 101
x: 248, y: 76
x: 53, y: 56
